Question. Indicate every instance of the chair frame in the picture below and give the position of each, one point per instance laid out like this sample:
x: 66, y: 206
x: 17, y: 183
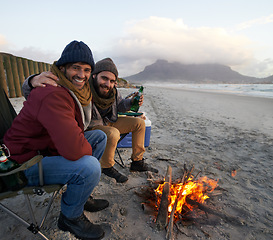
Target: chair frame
x: 32, y: 226
x: 121, y: 163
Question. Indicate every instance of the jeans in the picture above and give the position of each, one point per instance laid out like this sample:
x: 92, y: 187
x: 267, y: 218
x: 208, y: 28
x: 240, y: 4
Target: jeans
x: 81, y: 176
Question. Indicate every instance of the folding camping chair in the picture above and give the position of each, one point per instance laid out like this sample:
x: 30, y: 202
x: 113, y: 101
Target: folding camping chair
x: 121, y: 163
x: 122, y: 136
x: 7, y: 114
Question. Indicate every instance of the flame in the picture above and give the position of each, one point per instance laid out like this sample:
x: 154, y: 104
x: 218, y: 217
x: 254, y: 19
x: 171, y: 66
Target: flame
x: 195, y: 189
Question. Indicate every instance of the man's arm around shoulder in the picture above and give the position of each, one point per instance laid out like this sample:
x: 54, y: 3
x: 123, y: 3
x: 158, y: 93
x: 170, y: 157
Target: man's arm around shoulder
x: 39, y: 80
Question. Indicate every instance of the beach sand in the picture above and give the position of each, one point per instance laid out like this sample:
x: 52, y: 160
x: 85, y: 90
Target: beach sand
x: 217, y: 133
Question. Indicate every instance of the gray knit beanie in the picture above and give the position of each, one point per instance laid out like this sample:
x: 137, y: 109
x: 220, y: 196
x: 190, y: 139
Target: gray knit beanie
x: 106, y: 64
x: 76, y: 52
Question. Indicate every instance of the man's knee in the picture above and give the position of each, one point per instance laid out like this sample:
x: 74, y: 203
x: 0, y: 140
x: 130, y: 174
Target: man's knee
x: 102, y: 135
x: 90, y: 167
x: 139, y: 123
x: 113, y: 134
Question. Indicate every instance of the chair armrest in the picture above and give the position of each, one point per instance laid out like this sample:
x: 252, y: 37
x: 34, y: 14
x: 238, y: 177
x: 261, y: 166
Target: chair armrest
x: 24, y: 166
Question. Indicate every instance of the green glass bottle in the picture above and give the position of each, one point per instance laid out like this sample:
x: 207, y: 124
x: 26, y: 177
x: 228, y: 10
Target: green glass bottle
x: 13, y: 182
x: 5, y: 163
x: 135, y: 104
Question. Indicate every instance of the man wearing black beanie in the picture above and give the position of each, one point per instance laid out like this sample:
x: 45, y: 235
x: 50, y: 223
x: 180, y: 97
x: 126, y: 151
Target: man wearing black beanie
x: 53, y: 122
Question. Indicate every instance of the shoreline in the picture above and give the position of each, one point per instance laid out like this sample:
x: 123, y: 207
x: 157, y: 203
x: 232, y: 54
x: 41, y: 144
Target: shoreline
x: 252, y: 113
x: 233, y: 89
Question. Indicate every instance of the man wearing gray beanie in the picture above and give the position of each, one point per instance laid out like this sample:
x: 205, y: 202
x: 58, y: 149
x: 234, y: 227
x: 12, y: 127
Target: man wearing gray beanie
x: 107, y: 102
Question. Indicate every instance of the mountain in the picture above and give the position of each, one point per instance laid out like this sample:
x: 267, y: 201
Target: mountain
x: 162, y: 71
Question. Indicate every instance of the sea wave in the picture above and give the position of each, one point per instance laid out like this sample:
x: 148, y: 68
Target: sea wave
x: 257, y: 90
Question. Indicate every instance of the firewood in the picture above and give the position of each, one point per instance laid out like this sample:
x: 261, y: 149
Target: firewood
x: 169, y: 235
x: 162, y: 217
x: 164, y: 159
x: 215, y: 193
x: 188, y: 174
x: 223, y: 216
x: 196, y: 175
x: 156, y: 181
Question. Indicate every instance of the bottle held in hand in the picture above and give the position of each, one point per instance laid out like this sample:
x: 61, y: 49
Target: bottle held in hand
x: 135, y: 104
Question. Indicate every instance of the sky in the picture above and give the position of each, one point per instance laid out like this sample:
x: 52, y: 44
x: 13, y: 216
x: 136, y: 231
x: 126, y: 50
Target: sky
x: 235, y: 33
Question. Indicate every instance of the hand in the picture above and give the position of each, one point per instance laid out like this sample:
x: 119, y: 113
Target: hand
x: 141, y: 99
x: 44, y: 78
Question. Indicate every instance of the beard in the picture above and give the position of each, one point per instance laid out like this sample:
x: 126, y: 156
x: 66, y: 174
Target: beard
x: 97, y: 89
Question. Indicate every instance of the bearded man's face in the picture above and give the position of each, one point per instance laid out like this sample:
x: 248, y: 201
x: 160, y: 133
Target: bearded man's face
x: 104, y: 83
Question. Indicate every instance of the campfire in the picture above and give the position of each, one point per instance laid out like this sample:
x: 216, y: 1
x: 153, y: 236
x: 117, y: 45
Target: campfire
x: 183, y: 190
x: 182, y: 202
x: 174, y: 200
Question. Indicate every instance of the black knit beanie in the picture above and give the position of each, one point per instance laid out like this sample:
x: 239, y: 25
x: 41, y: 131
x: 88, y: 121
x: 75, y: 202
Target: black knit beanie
x: 106, y: 64
x: 76, y: 52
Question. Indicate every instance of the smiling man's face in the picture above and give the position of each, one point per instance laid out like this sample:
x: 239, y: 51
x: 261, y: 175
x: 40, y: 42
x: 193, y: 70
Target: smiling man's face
x: 77, y: 73
x: 104, y: 83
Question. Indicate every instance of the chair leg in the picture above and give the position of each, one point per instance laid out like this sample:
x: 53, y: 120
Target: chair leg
x: 54, y: 194
x: 32, y: 217
x: 34, y: 229
x: 120, y: 158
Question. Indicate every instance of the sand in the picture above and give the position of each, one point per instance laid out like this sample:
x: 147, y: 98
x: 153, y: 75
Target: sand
x: 218, y: 133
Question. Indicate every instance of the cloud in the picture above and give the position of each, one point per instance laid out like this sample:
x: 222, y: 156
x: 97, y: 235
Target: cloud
x: 32, y: 53
x: 255, y: 22
x: 3, y: 43
x: 256, y: 68
x: 155, y: 38
x: 36, y: 54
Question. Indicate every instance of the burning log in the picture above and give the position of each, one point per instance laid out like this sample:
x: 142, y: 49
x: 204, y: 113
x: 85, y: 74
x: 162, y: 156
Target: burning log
x: 185, y: 177
x: 177, y: 200
x: 169, y: 234
x: 206, y: 209
x: 162, y: 217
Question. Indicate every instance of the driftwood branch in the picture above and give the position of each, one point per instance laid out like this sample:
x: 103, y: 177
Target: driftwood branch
x: 162, y: 217
x: 164, y: 159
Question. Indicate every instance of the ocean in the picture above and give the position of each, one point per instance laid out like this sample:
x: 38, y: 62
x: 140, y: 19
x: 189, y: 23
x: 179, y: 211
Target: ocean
x: 256, y: 90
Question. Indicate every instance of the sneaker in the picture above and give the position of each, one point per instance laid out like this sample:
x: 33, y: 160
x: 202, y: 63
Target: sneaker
x: 113, y: 173
x: 81, y: 227
x: 95, y: 205
x: 141, y: 166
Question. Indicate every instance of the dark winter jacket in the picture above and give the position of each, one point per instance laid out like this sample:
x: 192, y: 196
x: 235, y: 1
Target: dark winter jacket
x: 50, y: 123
